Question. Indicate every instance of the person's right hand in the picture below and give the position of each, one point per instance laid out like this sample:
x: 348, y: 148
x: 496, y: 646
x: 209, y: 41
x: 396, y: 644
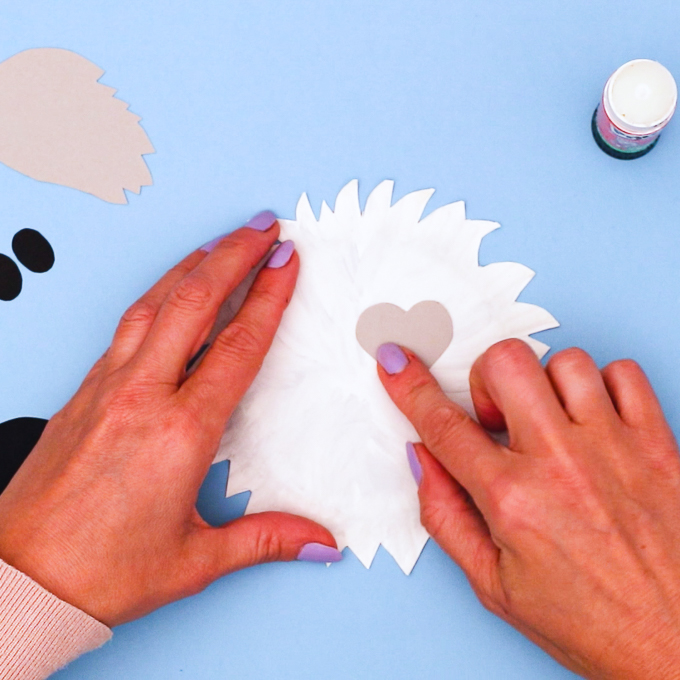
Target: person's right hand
x: 571, y: 533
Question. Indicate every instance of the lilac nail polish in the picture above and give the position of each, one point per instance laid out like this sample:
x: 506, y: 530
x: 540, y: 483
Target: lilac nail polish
x: 281, y: 255
x: 392, y: 358
x: 317, y: 552
x: 414, y: 463
x: 210, y: 245
x: 262, y: 221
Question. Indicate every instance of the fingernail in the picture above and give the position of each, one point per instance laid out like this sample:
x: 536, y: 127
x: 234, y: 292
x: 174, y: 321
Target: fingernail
x: 262, y: 221
x: 392, y: 358
x: 210, y: 245
x: 414, y: 463
x: 318, y: 552
x: 281, y: 255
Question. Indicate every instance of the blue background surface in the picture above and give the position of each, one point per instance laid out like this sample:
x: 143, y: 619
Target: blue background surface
x: 248, y: 105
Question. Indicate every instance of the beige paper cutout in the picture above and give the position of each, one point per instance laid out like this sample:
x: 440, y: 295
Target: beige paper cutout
x: 59, y: 125
x: 425, y: 329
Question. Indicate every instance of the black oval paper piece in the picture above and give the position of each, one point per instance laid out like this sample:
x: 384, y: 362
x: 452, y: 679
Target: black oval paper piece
x: 17, y: 439
x: 33, y: 250
x: 10, y: 278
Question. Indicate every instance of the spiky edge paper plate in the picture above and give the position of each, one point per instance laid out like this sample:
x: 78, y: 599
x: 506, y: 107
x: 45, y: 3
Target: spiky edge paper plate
x: 316, y: 434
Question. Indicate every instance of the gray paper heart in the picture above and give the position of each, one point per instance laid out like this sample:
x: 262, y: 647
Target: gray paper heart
x: 425, y: 329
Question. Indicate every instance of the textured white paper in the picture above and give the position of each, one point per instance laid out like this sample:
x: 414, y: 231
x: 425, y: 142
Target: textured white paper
x: 316, y: 434
x: 59, y: 125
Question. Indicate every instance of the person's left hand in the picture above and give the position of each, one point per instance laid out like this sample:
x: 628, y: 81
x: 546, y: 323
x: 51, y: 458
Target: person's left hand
x: 102, y: 513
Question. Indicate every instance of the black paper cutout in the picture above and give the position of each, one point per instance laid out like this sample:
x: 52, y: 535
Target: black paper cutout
x: 10, y: 278
x: 18, y: 437
x: 33, y: 250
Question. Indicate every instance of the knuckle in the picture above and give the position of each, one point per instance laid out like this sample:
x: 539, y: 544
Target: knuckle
x: 508, y: 503
x: 237, y: 247
x: 238, y: 340
x: 126, y: 399
x: 182, y: 422
x: 663, y: 461
x: 572, y: 358
x: 489, y: 588
x: 201, y: 570
x: 267, y: 298
x: 141, y: 313
x: 268, y: 546
x: 567, y: 475
x: 508, y: 352
x: 624, y: 368
x: 187, y: 423
x: 434, y: 517
x: 442, y: 424
x: 416, y: 390
x: 193, y: 292
x: 202, y: 578
x: 493, y: 603
x: 418, y: 386
x: 180, y: 270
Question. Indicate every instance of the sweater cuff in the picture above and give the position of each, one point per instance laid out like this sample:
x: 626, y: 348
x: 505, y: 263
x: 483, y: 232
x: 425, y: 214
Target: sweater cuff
x: 39, y: 633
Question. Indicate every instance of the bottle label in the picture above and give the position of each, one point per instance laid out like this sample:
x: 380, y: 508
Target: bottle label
x: 617, y: 138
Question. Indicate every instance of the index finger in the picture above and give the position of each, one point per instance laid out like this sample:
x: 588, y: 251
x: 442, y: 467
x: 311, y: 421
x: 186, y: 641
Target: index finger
x: 448, y: 432
x: 191, y: 307
x: 237, y: 353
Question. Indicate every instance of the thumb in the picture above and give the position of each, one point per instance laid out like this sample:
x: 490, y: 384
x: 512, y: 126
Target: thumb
x: 450, y: 516
x: 264, y: 537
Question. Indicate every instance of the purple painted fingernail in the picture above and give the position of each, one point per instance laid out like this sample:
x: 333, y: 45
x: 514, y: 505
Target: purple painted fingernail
x: 414, y: 463
x: 281, y: 255
x: 318, y: 552
x: 262, y: 221
x: 210, y: 245
x: 392, y: 358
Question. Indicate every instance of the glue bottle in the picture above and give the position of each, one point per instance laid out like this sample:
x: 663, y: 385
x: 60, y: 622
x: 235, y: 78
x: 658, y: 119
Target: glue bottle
x: 637, y: 103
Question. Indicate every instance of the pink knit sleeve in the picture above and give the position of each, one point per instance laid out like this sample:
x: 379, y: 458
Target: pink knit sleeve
x: 39, y: 633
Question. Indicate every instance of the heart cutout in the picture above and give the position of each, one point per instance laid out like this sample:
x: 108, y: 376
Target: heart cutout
x: 425, y: 329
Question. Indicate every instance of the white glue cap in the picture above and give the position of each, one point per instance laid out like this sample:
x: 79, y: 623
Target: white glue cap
x: 640, y: 97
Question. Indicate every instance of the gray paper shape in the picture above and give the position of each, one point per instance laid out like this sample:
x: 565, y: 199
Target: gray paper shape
x: 425, y: 329
x: 59, y: 124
